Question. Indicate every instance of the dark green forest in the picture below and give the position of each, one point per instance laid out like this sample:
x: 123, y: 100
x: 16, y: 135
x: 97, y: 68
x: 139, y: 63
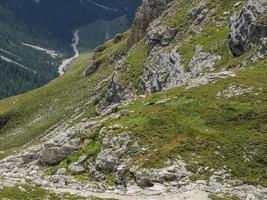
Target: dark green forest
x: 49, y: 25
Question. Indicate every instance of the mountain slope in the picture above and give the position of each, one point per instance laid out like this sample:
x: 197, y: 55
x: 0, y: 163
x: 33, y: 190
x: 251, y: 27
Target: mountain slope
x: 167, y: 107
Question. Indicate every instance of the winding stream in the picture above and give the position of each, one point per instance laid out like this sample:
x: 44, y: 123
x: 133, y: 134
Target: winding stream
x: 65, y: 63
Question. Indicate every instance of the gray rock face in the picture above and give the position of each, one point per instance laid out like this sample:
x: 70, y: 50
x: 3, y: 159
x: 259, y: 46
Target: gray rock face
x: 59, y: 148
x: 161, y: 35
x: 149, y: 10
x: 113, y: 152
x: 247, y: 28
x: 262, y: 48
x: 162, y: 71
x: 31, y: 154
x: 76, y: 169
x: 52, y: 154
x: 165, y: 70
x: 198, y: 13
x: 108, y: 94
x: 146, y: 178
x: 201, y: 61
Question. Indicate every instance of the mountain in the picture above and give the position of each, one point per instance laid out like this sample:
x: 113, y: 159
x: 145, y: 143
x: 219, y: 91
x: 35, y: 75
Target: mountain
x: 36, y: 36
x: 174, y: 108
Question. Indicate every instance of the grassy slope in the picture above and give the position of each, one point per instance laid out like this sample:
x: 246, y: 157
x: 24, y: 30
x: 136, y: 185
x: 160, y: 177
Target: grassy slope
x: 27, y: 192
x: 31, y: 114
x: 206, y: 130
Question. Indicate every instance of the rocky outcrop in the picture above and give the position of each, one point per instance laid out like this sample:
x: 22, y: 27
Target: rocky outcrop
x: 62, y: 146
x: 149, y: 10
x: 198, y: 13
x: 165, y: 70
x: 201, y: 61
x: 162, y: 71
x: 109, y: 93
x: 114, y: 151
x: 247, y: 28
x: 76, y: 168
x: 174, y: 173
x: 159, y: 34
x: 92, y: 68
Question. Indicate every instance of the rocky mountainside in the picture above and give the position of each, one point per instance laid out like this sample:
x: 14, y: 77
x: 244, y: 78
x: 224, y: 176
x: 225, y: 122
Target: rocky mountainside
x: 175, y: 108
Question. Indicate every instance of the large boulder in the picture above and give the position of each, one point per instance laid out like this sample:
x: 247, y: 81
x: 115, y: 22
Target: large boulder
x: 60, y: 147
x: 53, y: 154
x: 248, y: 26
x: 76, y: 168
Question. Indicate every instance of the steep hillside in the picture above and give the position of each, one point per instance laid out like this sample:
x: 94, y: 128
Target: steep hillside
x: 175, y: 108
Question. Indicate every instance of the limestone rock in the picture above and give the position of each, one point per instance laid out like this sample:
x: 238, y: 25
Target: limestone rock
x: 31, y: 154
x: 149, y: 10
x: 246, y: 28
x: 76, y: 168
x: 262, y: 48
x: 165, y: 70
x: 108, y: 94
x: 201, y: 61
x: 52, y: 155
x: 60, y: 147
x: 61, y: 171
x: 158, y: 34
x: 114, y: 151
x: 162, y: 71
x: 199, y: 12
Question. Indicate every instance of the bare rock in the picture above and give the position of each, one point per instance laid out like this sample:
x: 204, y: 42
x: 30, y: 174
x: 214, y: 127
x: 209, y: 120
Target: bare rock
x: 201, y: 61
x: 149, y: 10
x: 114, y: 151
x: 165, y: 70
x: 61, y: 171
x: 246, y: 28
x: 108, y: 94
x: 162, y: 71
x: 92, y: 68
x: 159, y: 34
x: 76, y: 168
x: 199, y: 12
x: 60, y: 147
